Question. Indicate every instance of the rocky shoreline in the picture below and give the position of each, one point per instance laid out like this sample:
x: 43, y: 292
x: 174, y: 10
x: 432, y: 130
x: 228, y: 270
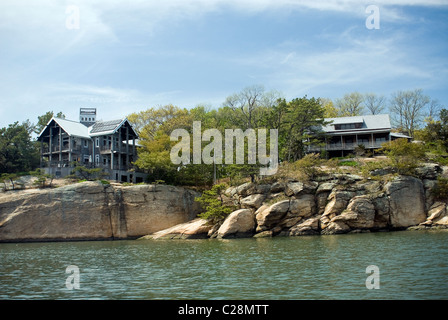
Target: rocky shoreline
x: 93, y: 210
x: 330, y: 204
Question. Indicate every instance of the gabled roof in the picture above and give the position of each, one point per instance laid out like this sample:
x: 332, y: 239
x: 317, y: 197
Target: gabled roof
x: 105, y: 127
x: 72, y: 128
x: 100, y: 128
x: 370, y: 122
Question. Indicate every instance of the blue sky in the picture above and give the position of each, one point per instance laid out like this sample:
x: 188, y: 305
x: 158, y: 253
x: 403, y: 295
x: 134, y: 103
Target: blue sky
x: 127, y: 56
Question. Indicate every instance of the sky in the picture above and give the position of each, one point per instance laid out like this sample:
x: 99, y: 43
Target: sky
x: 126, y: 56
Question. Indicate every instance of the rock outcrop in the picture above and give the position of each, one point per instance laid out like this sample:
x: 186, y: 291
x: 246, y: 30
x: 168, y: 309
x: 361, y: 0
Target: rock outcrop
x: 92, y: 210
x: 332, y: 204
x: 335, y: 204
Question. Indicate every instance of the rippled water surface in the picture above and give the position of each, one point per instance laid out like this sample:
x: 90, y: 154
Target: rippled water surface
x: 411, y: 264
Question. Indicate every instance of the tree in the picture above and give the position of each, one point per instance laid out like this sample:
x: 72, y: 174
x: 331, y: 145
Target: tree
x: 330, y: 109
x: 17, y: 152
x: 303, y: 122
x: 43, y: 120
x: 251, y: 104
x: 436, y: 132
x: 407, y: 110
x: 374, y: 103
x: 350, y: 105
x: 90, y: 174
x: 213, y: 203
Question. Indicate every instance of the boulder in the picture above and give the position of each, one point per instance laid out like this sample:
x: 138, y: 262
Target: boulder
x: 296, y: 188
x: 253, y: 201
x: 293, y: 188
x: 308, y: 227
x: 277, y: 187
x: 245, y: 189
x: 360, y: 213
x: 437, y: 215
x: 407, y: 201
x: 338, y: 200
x: 300, y: 207
x: 268, y: 216
x: 429, y: 171
x: 195, y: 229
x: 325, y: 187
x: 382, y: 211
x: 239, y: 223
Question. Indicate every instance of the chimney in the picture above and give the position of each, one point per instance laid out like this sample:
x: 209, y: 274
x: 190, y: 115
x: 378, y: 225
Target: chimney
x: 87, y: 116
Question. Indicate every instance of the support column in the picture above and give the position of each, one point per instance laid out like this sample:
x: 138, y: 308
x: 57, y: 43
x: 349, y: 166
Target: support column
x: 127, y: 147
x: 60, y: 147
x: 119, y: 150
x: 50, y: 147
x: 70, y: 150
x: 41, y: 153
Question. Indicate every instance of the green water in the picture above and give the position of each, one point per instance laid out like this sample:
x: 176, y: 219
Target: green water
x: 412, y: 265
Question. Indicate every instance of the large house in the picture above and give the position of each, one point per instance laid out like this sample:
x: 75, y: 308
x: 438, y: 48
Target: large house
x: 342, y: 135
x: 110, y: 145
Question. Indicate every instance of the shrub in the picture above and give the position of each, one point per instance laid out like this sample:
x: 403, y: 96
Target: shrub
x: 404, y: 156
x: 440, y: 191
x: 213, y: 203
x: 309, y: 165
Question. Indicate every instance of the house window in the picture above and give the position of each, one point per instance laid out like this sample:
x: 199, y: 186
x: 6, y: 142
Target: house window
x: 97, y: 159
x: 347, y: 126
x: 86, y: 143
x: 97, y: 142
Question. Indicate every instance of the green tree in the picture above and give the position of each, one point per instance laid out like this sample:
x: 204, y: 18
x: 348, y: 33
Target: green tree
x: 303, y: 123
x: 404, y: 156
x: 17, y: 152
x: 43, y: 120
x: 352, y: 104
x: 213, y: 203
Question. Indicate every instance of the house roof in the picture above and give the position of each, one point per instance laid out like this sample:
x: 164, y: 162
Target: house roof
x: 77, y: 129
x: 399, y: 135
x: 370, y: 122
x: 100, y: 128
x: 105, y: 127
x: 72, y: 128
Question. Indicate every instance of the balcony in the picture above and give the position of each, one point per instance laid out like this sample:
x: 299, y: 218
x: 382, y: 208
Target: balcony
x: 56, y: 149
x: 344, y: 146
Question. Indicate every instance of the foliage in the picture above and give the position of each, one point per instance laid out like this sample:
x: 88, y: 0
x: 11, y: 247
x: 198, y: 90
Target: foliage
x: 42, y: 178
x: 405, y: 156
x: 213, y: 203
x: 43, y: 120
x: 299, y: 126
x: 440, y: 190
x: 350, y: 105
x: 309, y: 165
x: 4, y: 177
x: 84, y: 173
x: 17, y: 151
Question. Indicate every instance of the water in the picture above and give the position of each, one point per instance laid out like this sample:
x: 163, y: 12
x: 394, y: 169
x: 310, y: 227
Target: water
x: 412, y: 265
